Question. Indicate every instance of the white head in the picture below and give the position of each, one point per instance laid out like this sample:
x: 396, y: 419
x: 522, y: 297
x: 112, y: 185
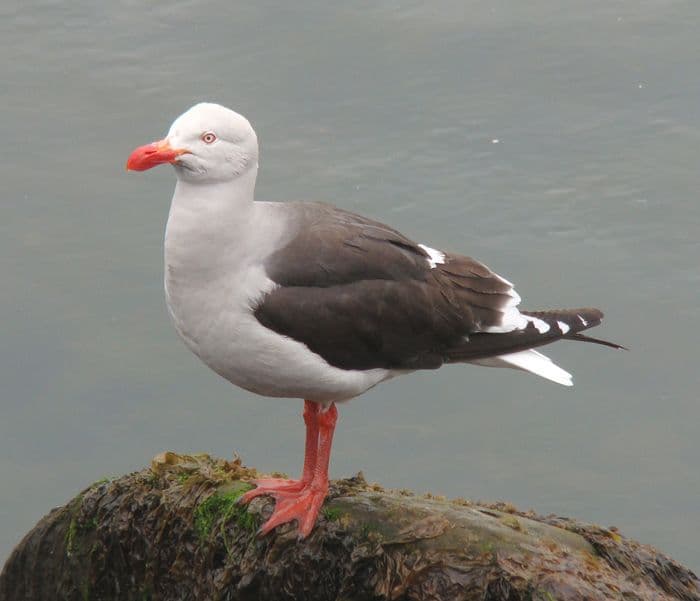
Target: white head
x: 206, y: 144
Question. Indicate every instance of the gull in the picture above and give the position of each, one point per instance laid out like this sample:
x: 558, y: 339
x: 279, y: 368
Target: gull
x: 305, y: 300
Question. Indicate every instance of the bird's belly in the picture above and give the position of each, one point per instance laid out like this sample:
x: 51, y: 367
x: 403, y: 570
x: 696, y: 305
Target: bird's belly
x: 228, y: 338
x: 264, y: 362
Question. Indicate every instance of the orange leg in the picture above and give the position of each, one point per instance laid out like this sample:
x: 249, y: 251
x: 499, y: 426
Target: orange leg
x: 304, y: 505
x: 276, y: 486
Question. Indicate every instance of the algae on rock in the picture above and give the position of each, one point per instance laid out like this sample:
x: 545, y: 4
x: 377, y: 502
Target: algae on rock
x: 176, y: 531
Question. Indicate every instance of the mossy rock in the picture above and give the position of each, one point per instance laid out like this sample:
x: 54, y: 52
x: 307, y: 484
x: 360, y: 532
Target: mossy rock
x: 176, y: 531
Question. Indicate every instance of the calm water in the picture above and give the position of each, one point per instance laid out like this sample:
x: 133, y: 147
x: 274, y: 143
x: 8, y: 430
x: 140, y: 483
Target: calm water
x: 558, y: 142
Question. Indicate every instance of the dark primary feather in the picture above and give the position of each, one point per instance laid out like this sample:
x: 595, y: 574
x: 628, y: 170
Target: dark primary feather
x: 363, y: 296
x: 482, y: 345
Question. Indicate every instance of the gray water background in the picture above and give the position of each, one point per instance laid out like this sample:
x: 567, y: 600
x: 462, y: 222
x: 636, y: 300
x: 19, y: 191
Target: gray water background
x: 556, y: 141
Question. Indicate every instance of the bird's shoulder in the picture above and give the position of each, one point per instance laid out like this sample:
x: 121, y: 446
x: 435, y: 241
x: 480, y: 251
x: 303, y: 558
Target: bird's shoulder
x: 329, y: 246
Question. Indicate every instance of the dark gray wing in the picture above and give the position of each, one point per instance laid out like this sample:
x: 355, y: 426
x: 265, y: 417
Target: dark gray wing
x: 363, y: 296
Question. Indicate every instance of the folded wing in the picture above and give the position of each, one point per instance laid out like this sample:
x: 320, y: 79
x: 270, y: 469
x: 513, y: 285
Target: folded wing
x: 363, y: 296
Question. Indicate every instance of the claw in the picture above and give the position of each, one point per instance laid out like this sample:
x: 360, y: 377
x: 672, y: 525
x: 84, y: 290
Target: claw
x: 303, y: 507
x: 285, y: 511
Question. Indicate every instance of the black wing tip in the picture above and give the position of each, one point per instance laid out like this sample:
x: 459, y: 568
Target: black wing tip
x: 583, y: 338
x: 578, y: 320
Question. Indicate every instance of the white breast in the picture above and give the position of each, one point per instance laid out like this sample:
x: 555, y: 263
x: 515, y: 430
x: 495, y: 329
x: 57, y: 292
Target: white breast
x: 213, y: 283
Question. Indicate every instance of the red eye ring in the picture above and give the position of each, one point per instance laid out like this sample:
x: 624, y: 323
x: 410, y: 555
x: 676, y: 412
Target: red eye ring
x: 209, y: 137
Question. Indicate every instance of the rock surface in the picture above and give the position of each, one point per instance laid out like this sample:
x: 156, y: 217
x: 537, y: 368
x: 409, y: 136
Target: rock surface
x: 175, y: 531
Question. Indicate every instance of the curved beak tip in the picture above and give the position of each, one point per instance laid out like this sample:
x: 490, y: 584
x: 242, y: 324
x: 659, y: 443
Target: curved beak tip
x: 148, y: 156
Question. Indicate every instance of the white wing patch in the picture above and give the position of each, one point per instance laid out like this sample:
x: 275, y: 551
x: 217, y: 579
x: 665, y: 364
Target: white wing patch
x: 435, y: 257
x: 563, y: 327
x: 540, y: 325
x: 514, y: 319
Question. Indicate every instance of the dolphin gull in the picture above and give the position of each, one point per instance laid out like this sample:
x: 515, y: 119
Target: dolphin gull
x: 305, y: 300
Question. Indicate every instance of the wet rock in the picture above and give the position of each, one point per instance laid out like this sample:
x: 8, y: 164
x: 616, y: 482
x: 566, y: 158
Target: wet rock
x: 176, y: 531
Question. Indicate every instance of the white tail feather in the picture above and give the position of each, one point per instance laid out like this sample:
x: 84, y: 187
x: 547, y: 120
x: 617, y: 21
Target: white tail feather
x: 532, y: 361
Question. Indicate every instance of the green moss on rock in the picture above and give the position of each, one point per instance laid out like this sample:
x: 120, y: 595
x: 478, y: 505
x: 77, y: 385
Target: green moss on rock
x: 222, y: 507
x: 176, y: 531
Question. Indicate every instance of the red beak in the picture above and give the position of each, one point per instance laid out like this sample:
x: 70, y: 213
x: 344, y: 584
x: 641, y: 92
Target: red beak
x: 150, y: 155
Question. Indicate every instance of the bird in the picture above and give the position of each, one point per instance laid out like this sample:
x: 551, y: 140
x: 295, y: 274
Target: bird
x: 309, y: 301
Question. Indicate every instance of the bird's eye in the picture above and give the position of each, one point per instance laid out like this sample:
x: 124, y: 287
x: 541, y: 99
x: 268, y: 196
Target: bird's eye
x: 209, y: 137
